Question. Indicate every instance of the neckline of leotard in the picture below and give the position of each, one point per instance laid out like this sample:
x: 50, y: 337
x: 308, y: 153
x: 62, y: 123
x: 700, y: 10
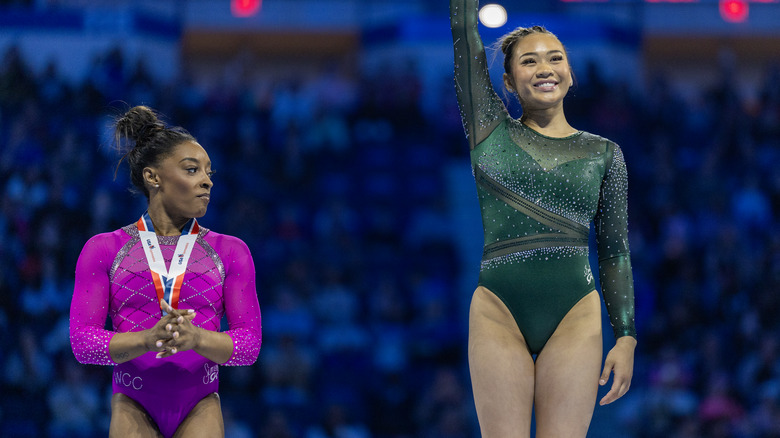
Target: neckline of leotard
x: 132, y: 230
x: 568, y: 137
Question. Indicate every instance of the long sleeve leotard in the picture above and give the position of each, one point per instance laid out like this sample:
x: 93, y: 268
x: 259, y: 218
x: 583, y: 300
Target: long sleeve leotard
x: 538, y: 196
x: 113, y: 279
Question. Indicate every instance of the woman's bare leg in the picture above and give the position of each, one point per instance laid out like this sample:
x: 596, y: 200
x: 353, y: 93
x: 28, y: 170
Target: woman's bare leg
x: 204, y: 420
x: 130, y: 420
x: 502, y: 370
x: 567, y: 373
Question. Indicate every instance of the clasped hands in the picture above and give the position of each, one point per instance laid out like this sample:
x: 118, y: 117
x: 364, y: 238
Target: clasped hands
x: 174, y: 332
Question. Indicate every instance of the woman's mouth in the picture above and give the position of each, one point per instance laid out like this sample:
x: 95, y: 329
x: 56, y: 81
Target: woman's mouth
x: 546, y: 86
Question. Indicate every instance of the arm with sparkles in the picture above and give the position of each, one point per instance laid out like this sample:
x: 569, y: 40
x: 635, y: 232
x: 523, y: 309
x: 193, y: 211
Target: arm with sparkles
x: 480, y: 107
x: 612, y: 242
x: 241, y: 304
x: 89, y: 308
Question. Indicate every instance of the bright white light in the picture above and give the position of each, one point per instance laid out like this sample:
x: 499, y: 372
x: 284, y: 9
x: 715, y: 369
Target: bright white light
x: 493, y: 15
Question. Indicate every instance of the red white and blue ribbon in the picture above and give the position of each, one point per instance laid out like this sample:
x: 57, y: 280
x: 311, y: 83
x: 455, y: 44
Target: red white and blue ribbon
x: 167, y: 282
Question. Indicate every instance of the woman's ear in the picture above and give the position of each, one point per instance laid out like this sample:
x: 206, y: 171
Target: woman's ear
x: 150, y: 177
x: 509, y: 83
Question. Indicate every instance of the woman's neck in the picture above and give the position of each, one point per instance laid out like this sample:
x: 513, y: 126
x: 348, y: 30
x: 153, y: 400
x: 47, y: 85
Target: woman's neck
x: 164, y: 223
x: 551, y: 123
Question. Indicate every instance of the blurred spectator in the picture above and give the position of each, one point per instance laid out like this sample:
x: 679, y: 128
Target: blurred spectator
x: 442, y: 411
x: 337, y: 424
x: 75, y: 403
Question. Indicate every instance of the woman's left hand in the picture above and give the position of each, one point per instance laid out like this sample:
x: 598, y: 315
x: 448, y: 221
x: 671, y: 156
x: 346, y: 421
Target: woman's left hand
x: 184, y: 335
x: 620, y: 360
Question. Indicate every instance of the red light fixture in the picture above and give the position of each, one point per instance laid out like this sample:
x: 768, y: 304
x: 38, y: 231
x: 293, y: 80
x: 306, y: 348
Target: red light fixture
x: 734, y: 11
x: 245, y: 8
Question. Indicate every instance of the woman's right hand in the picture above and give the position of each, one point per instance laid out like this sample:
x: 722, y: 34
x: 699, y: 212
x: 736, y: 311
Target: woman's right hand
x: 129, y: 345
x: 159, y: 336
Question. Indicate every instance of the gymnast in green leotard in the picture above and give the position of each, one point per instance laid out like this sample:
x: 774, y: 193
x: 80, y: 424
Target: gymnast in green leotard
x: 535, y: 318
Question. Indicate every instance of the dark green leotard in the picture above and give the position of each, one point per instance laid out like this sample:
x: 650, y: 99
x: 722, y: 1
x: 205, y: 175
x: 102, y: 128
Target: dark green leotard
x: 538, y: 196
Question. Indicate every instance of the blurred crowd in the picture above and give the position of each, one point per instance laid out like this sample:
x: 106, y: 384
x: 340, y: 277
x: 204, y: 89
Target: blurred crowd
x: 337, y: 187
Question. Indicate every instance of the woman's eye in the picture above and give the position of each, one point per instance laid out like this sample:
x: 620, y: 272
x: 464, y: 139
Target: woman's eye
x: 527, y: 61
x: 557, y: 58
x: 192, y: 169
x: 211, y: 173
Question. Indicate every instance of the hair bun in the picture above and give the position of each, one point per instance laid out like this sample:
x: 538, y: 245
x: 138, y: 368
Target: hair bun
x: 139, y: 124
x: 144, y: 140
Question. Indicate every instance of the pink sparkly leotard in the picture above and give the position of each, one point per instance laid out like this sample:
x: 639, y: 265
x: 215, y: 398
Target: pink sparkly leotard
x: 113, y: 279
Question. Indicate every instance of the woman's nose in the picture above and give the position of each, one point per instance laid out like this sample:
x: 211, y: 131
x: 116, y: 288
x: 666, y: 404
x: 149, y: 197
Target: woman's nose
x: 544, y: 69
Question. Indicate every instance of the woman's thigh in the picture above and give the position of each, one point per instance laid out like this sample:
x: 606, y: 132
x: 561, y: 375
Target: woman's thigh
x: 204, y: 420
x: 567, y: 372
x: 502, y: 369
x: 130, y: 420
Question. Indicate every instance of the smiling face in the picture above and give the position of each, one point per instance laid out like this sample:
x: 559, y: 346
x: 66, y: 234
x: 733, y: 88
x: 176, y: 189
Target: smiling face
x: 540, y: 72
x: 184, y: 180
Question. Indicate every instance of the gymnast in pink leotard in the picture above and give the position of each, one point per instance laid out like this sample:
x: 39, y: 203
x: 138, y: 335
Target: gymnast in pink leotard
x: 165, y: 282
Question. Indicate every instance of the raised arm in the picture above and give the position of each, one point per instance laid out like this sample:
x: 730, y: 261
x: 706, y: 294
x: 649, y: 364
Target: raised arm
x: 480, y: 107
x: 612, y: 243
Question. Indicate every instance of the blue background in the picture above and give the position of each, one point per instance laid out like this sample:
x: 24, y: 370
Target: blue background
x: 341, y: 161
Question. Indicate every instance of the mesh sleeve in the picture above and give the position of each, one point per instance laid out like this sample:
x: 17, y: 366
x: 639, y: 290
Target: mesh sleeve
x: 480, y: 107
x: 89, y: 308
x: 241, y: 304
x: 611, y: 224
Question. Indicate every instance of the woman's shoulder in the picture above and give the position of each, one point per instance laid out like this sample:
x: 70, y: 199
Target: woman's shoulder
x: 603, y: 145
x: 105, y: 246
x: 117, y: 237
x: 591, y: 137
x: 224, y: 242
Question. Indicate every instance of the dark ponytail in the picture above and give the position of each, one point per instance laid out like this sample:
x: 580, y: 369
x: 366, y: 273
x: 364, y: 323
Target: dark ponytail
x: 145, y: 141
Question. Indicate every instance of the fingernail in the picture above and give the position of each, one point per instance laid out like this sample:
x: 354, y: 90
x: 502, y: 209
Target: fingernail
x: 159, y: 355
x: 175, y: 335
x: 168, y: 327
x: 180, y: 319
x: 170, y: 309
x: 173, y: 350
x: 159, y: 344
x: 191, y: 311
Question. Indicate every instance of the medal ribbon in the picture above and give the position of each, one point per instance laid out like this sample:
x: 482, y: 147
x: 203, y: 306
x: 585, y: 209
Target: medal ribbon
x: 167, y: 282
